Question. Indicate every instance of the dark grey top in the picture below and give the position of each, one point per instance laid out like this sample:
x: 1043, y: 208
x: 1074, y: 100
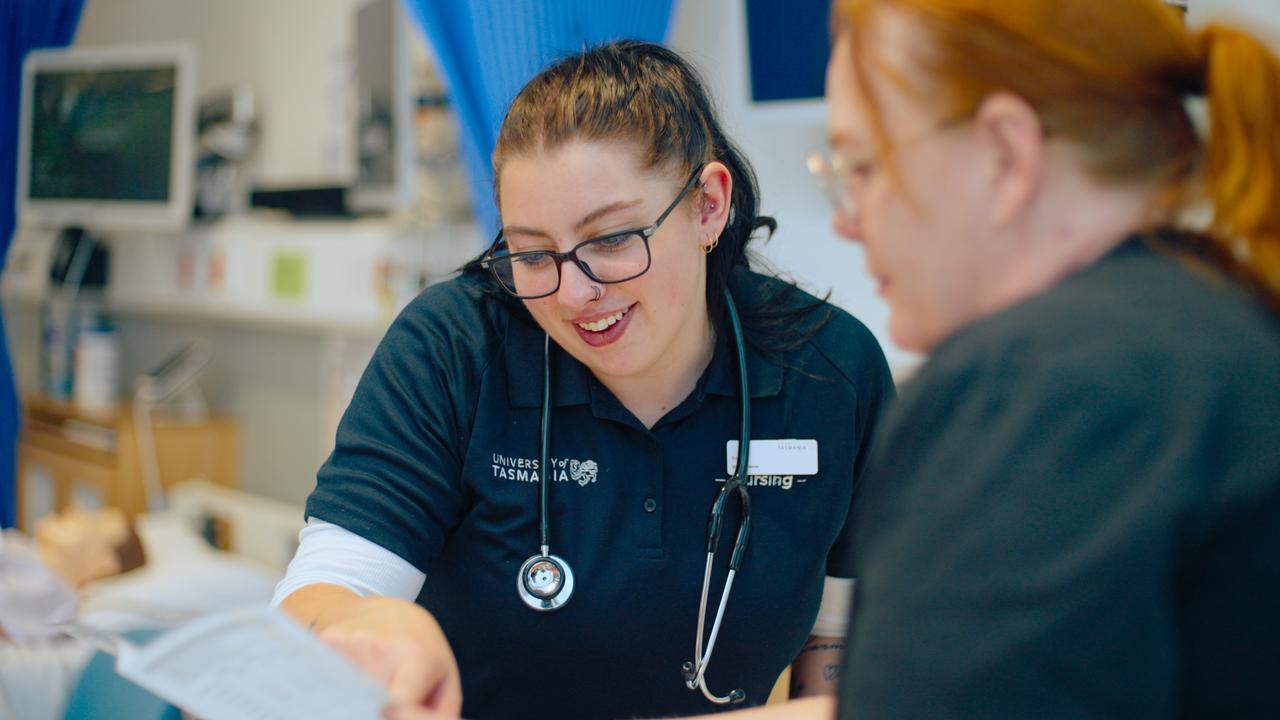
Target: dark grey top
x: 1074, y: 510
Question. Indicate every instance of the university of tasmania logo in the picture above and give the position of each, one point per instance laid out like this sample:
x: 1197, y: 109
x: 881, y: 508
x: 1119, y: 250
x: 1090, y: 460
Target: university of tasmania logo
x: 584, y: 472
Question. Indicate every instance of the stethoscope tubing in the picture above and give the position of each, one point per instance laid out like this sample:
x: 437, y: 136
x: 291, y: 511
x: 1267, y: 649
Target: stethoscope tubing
x: 544, y: 566
x: 544, y: 451
x: 694, y: 671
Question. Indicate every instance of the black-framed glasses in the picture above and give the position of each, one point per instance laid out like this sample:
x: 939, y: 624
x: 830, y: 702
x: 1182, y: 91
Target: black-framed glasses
x: 614, y: 258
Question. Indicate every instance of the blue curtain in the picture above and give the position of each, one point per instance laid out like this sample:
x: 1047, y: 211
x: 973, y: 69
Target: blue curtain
x: 488, y: 49
x: 24, y: 25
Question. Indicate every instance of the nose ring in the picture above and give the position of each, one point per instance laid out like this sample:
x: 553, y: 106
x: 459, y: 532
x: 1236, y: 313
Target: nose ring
x: 595, y: 292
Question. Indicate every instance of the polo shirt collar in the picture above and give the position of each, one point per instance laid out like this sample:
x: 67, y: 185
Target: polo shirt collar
x: 721, y: 376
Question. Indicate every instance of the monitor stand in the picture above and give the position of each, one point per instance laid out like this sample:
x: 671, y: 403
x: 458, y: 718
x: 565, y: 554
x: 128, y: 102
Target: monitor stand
x: 79, y: 261
x: 42, y: 260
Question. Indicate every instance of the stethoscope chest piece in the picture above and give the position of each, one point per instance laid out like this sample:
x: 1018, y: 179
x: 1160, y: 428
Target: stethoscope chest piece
x: 545, y: 582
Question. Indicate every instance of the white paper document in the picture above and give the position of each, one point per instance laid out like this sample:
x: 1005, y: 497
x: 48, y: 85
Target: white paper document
x: 252, y: 664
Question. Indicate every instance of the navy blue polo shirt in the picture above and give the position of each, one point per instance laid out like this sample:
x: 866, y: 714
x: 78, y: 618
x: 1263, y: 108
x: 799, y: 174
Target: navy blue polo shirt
x: 437, y: 460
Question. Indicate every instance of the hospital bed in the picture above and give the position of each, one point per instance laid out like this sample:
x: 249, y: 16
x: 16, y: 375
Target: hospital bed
x: 184, y: 577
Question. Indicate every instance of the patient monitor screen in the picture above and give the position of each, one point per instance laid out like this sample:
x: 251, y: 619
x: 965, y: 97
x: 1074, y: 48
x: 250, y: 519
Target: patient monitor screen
x: 102, y: 134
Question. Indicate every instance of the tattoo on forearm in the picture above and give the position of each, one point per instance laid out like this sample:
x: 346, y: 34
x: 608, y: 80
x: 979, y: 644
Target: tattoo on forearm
x: 831, y: 672
x: 822, y: 646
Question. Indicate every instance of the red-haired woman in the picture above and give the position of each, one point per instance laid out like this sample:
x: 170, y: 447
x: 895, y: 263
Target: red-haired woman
x: 1074, y: 510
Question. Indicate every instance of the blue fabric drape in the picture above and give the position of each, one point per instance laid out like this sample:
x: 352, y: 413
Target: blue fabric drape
x: 488, y: 49
x: 24, y: 25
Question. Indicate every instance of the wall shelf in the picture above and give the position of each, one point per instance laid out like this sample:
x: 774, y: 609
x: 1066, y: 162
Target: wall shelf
x: 345, y: 277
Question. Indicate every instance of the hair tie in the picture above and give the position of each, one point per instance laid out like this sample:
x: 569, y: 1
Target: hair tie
x: 1194, y: 79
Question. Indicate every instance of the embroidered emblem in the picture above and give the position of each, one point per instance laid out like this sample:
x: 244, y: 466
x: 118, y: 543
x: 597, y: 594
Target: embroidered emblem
x: 584, y: 472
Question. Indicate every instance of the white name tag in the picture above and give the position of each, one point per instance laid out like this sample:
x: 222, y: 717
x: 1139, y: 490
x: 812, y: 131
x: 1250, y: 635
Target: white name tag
x: 775, y: 457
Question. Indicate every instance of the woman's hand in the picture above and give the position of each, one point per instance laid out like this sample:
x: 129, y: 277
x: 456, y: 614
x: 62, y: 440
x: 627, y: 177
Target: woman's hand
x: 395, y: 641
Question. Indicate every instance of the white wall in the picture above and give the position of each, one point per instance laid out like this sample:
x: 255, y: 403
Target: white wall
x: 1259, y: 16
x: 776, y: 137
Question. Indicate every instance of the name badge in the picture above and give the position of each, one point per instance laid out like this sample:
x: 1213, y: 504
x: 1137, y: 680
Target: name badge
x: 775, y: 457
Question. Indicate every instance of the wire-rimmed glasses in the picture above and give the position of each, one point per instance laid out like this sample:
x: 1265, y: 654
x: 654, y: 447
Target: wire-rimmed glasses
x: 844, y: 176
x: 832, y: 170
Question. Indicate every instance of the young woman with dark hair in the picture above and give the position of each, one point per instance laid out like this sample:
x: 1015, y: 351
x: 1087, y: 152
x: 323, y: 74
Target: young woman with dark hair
x: 524, y: 476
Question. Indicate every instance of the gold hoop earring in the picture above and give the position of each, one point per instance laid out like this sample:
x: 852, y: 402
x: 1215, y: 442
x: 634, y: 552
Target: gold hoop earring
x: 715, y: 240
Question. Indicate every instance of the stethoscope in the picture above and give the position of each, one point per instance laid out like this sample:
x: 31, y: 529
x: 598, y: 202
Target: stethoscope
x: 545, y: 581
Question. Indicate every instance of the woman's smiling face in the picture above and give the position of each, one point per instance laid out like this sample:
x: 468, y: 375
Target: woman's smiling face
x: 556, y: 199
